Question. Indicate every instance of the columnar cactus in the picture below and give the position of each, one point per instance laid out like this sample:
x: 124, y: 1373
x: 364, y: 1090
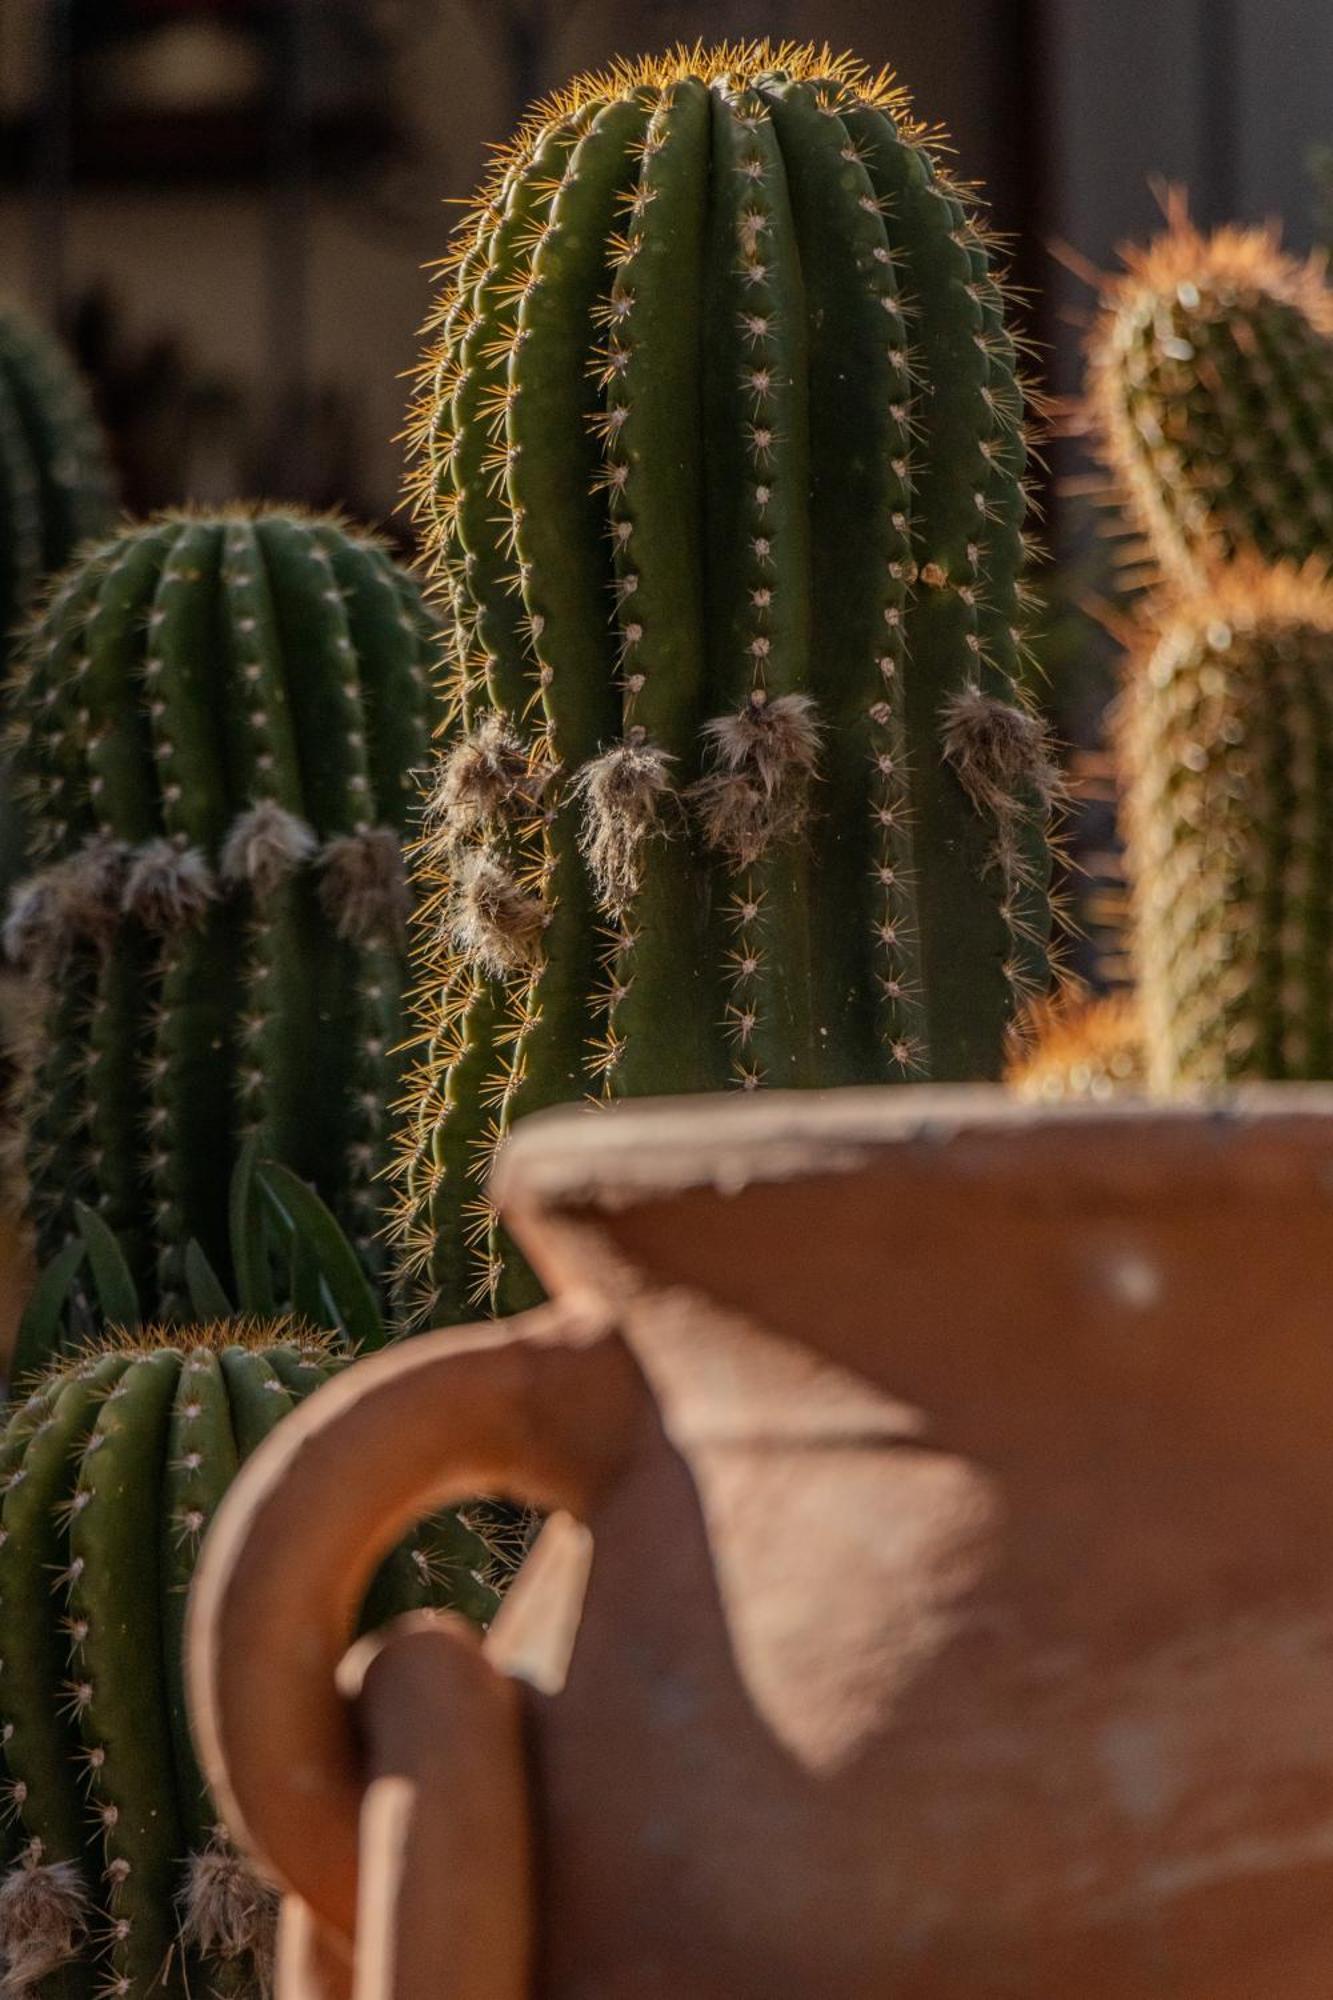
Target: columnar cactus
x: 110, y: 1472
x: 219, y: 720
x: 722, y: 449
x: 1227, y: 759
x: 1211, y: 395
x: 55, y: 487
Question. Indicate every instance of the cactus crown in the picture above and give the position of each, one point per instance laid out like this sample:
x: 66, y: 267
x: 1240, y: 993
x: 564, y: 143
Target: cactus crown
x: 1211, y: 396
x: 218, y: 718
x: 110, y: 1471
x: 1226, y: 750
x: 721, y: 450
x: 55, y: 485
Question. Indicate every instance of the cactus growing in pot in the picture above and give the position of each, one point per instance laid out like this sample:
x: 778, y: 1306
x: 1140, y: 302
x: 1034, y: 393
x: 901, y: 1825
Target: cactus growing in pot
x: 722, y: 449
x: 1226, y: 748
x: 1211, y: 398
x: 110, y: 1472
x: 219, y: 719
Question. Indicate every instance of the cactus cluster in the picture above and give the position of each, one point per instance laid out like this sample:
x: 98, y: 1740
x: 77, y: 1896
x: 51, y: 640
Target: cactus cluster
x: 722, y: 451
x: 219, y: 721
x: 1212, y: 395
x: 116, y: 1873
x: 55, y: 485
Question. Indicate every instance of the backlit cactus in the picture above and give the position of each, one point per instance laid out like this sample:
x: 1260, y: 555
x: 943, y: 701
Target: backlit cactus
x: 55, y: 486
x: 1226, y: 744
x: 1081, y: 1050
x: 1211, y: 396
x: 117, y: 1879
x: 722, y: 448
x: 221, y: 722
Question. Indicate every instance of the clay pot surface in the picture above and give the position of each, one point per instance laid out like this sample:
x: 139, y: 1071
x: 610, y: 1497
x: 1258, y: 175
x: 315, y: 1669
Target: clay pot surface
x: 939, y: 1599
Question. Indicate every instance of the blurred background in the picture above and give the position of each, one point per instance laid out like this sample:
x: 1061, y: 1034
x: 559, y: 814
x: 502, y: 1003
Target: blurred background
x: 226, y: 205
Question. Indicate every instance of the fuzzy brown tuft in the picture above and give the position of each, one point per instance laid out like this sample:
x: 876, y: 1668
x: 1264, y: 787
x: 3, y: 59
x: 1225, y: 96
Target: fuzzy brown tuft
x: 265, y: 847
x: 169, y: 886
x: 43, y: 1921
x: 623, y: 793
x: 487, y: 771
x: 766, y: 757
x: 1000, y: 755
x: 227, y: 1913
x: 364, y: 886
x: 74, y: 901
x: 492, y: 921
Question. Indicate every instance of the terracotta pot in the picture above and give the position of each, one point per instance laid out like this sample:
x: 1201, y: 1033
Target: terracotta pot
x: 959, y: 1481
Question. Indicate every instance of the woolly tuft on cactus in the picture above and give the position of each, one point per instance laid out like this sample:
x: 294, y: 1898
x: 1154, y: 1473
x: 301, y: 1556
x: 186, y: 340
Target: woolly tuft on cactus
x: 1226, y: 750
x: 1211, y: 397
x: 110, y: 1472
x: 721, y: 449
x: 221, y: 722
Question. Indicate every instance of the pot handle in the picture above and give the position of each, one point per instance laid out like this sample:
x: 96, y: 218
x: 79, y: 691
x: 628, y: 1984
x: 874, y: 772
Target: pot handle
x: 541, y: 1410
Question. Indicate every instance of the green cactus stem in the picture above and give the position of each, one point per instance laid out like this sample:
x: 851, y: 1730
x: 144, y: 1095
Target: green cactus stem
x: 722, y: 452
x: 119, y: 1880
x: 55, y: 484
x: 1226, y: 746
x: 220, y: 721
x: 1211, y: 399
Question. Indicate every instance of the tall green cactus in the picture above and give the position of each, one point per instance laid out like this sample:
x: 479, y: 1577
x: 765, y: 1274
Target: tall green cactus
x: 722, y: 449
x: 1211, y: 396
x: 118, y: 1878
x: 219, y: 719
x: 1227, y: 766
x: 55, y: 485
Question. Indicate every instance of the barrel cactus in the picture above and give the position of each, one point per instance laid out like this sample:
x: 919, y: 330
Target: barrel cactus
x: 1226, y: 743
x: 722, y: 451
x: 110, y: 1472
x: 221, y: 722
x: 55, y: 485
x: 1211, y: 394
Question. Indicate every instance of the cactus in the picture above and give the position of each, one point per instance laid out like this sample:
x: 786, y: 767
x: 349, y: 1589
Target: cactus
x: 1211, y: 396
x: 55, y: 492
x: 110, y: 1472
x: 55, y: 486
x: 721, y: 449
x: 1226, y: 750
x: 1081, y: 1049
x: 219, y: 720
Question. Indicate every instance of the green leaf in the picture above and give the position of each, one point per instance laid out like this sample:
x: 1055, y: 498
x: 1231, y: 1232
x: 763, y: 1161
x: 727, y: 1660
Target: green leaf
x: 207, y: 1298
x: 38, y: 1340
x: 311, y: 1299
x: 117, y: 1293
x: 349, y: 1288
x: 249, y: 1239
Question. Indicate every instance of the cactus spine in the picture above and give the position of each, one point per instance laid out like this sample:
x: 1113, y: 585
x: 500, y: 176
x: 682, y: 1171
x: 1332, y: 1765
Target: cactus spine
x: 218, y: 719
x: 1211, y: 395
x: 110, y: 1472
x: 1226, y: 745
x: 1081, y: 1050
x: 55, y: 486
x: 722, y: 450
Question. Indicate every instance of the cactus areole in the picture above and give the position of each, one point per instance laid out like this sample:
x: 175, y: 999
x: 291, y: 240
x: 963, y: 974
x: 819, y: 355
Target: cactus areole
x: 721, y: 447
x: 220, y: 722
